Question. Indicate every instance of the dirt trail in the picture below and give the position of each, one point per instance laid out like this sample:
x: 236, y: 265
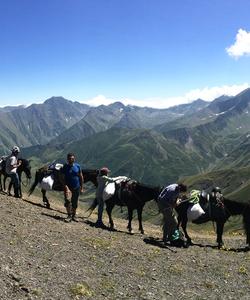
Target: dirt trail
x: 42, y: 257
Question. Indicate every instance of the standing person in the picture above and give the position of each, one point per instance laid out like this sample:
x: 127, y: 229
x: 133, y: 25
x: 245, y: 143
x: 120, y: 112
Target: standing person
x: 73, y: 185
x: 102, y: 180
x: 12, y: 164
x: 167, y: 201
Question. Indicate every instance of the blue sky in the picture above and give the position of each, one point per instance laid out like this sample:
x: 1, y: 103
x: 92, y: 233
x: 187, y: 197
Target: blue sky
x: 144, y: 52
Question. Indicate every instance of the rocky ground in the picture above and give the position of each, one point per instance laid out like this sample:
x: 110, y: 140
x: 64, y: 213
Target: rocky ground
x: 42, y: 257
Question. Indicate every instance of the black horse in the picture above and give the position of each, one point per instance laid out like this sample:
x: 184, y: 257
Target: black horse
x: 217, y: 209
x: 24, y: 167
x: 132, y: 194
x: 88, y: 175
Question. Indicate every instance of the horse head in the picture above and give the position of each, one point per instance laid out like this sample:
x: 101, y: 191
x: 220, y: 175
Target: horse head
x: 90, y: 175
x: 147, y: 192
x: 24, y: 167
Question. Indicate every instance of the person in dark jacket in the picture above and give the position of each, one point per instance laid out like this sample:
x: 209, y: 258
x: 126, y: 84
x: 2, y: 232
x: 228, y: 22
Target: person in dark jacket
x: 167, y: 201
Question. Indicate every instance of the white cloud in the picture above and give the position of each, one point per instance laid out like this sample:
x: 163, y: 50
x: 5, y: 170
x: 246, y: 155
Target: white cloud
x: 241, y: 46
x: 206, y: 93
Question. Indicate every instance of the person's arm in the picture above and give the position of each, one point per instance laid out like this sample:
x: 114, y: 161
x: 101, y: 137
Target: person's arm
x: 81, y: 180
x: 14, y: 165
x: 108, y: 179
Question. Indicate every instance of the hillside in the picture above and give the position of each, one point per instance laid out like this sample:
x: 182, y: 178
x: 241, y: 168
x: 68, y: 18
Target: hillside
x: 44, y: 258
x: 234, y: 182
x: 141, y: 154
x: 38, y: 123
x: 59, y: 119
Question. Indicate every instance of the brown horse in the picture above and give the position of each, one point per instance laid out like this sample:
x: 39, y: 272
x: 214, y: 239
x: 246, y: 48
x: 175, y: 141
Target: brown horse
x: 218, y: 210
x: 88, y: 175
x: 134, y: 195
x: 24, y: 167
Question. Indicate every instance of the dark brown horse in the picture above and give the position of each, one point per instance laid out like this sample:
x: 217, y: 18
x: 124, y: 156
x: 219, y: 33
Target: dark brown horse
x: 132, y: 194
x: 24, y: 167
x: 88, y: 175
x: 217, y: 210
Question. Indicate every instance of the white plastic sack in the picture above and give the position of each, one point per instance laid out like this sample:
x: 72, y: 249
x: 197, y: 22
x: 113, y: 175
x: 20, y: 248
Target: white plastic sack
x: 109, y: 191
x: 120, y: 179
x: 194, y: 212
x: 47, y: 183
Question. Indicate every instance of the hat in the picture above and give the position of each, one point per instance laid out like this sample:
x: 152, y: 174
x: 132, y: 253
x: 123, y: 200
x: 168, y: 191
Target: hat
x: 104, y: 170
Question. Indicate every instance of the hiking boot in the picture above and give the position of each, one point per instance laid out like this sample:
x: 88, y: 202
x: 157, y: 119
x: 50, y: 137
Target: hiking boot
x: 68, y: 219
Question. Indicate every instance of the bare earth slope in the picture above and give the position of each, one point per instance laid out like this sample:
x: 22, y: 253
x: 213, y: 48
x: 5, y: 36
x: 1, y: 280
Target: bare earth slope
x: 43, y: 257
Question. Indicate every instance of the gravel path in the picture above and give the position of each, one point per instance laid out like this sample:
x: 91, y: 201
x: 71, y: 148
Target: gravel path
x: 42, y: 257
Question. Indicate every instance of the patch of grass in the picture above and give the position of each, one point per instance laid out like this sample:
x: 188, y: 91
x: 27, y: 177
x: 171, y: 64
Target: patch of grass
x: 209, y: 285
x: 81, y: 289
x: 37, y: 292
x: 97, y: 243
x: 140, y: 272
x: 175, y: 269
x: 107, y: 285
x: 242, y: 270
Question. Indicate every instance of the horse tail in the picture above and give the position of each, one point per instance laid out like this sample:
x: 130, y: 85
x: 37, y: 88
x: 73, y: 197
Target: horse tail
x: 92, y: 207
x: 246, y: 222
x: 31, y: 190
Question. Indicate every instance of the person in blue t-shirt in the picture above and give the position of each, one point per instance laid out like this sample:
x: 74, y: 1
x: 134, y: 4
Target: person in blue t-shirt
x: 73, y: 185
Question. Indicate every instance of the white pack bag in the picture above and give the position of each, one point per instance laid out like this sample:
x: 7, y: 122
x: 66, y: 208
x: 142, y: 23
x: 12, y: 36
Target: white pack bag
x: 194, y: 212
x: 47, y: 183
x: 109, y: 191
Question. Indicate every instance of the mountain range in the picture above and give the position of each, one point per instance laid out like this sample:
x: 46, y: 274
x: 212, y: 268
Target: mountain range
x: 156, y: 146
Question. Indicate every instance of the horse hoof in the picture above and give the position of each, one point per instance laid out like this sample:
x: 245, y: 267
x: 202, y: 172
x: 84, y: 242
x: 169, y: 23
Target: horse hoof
x: 111, y: 228
x: 220, y: 245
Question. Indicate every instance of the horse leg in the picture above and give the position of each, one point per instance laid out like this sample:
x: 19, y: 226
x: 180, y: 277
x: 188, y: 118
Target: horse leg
x: 109, y: 208
x: 139, y: 213
x: 219, y: 232
x: 4, y: 182
x: 246, y: 221
x: 45, y: 199
x: 130, y: 217
x: 183, y: 223
x: 20, y: 189
x: 1, y: 187
x: 9, y: 188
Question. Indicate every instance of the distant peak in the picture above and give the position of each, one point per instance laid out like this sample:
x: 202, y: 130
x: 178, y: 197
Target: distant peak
x: 246, y: 91
x: 117, y: 104
x: 55, y: 99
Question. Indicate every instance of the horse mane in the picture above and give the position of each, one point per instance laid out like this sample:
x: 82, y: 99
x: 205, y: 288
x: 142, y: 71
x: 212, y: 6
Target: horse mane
x: 235, y: 207
x: 90, y: 170
x: 140, y: 184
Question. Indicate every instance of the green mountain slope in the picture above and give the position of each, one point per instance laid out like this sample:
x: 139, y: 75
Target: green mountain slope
x: 235, y: 183
x: 38, y: 123
x: 140, y: 154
